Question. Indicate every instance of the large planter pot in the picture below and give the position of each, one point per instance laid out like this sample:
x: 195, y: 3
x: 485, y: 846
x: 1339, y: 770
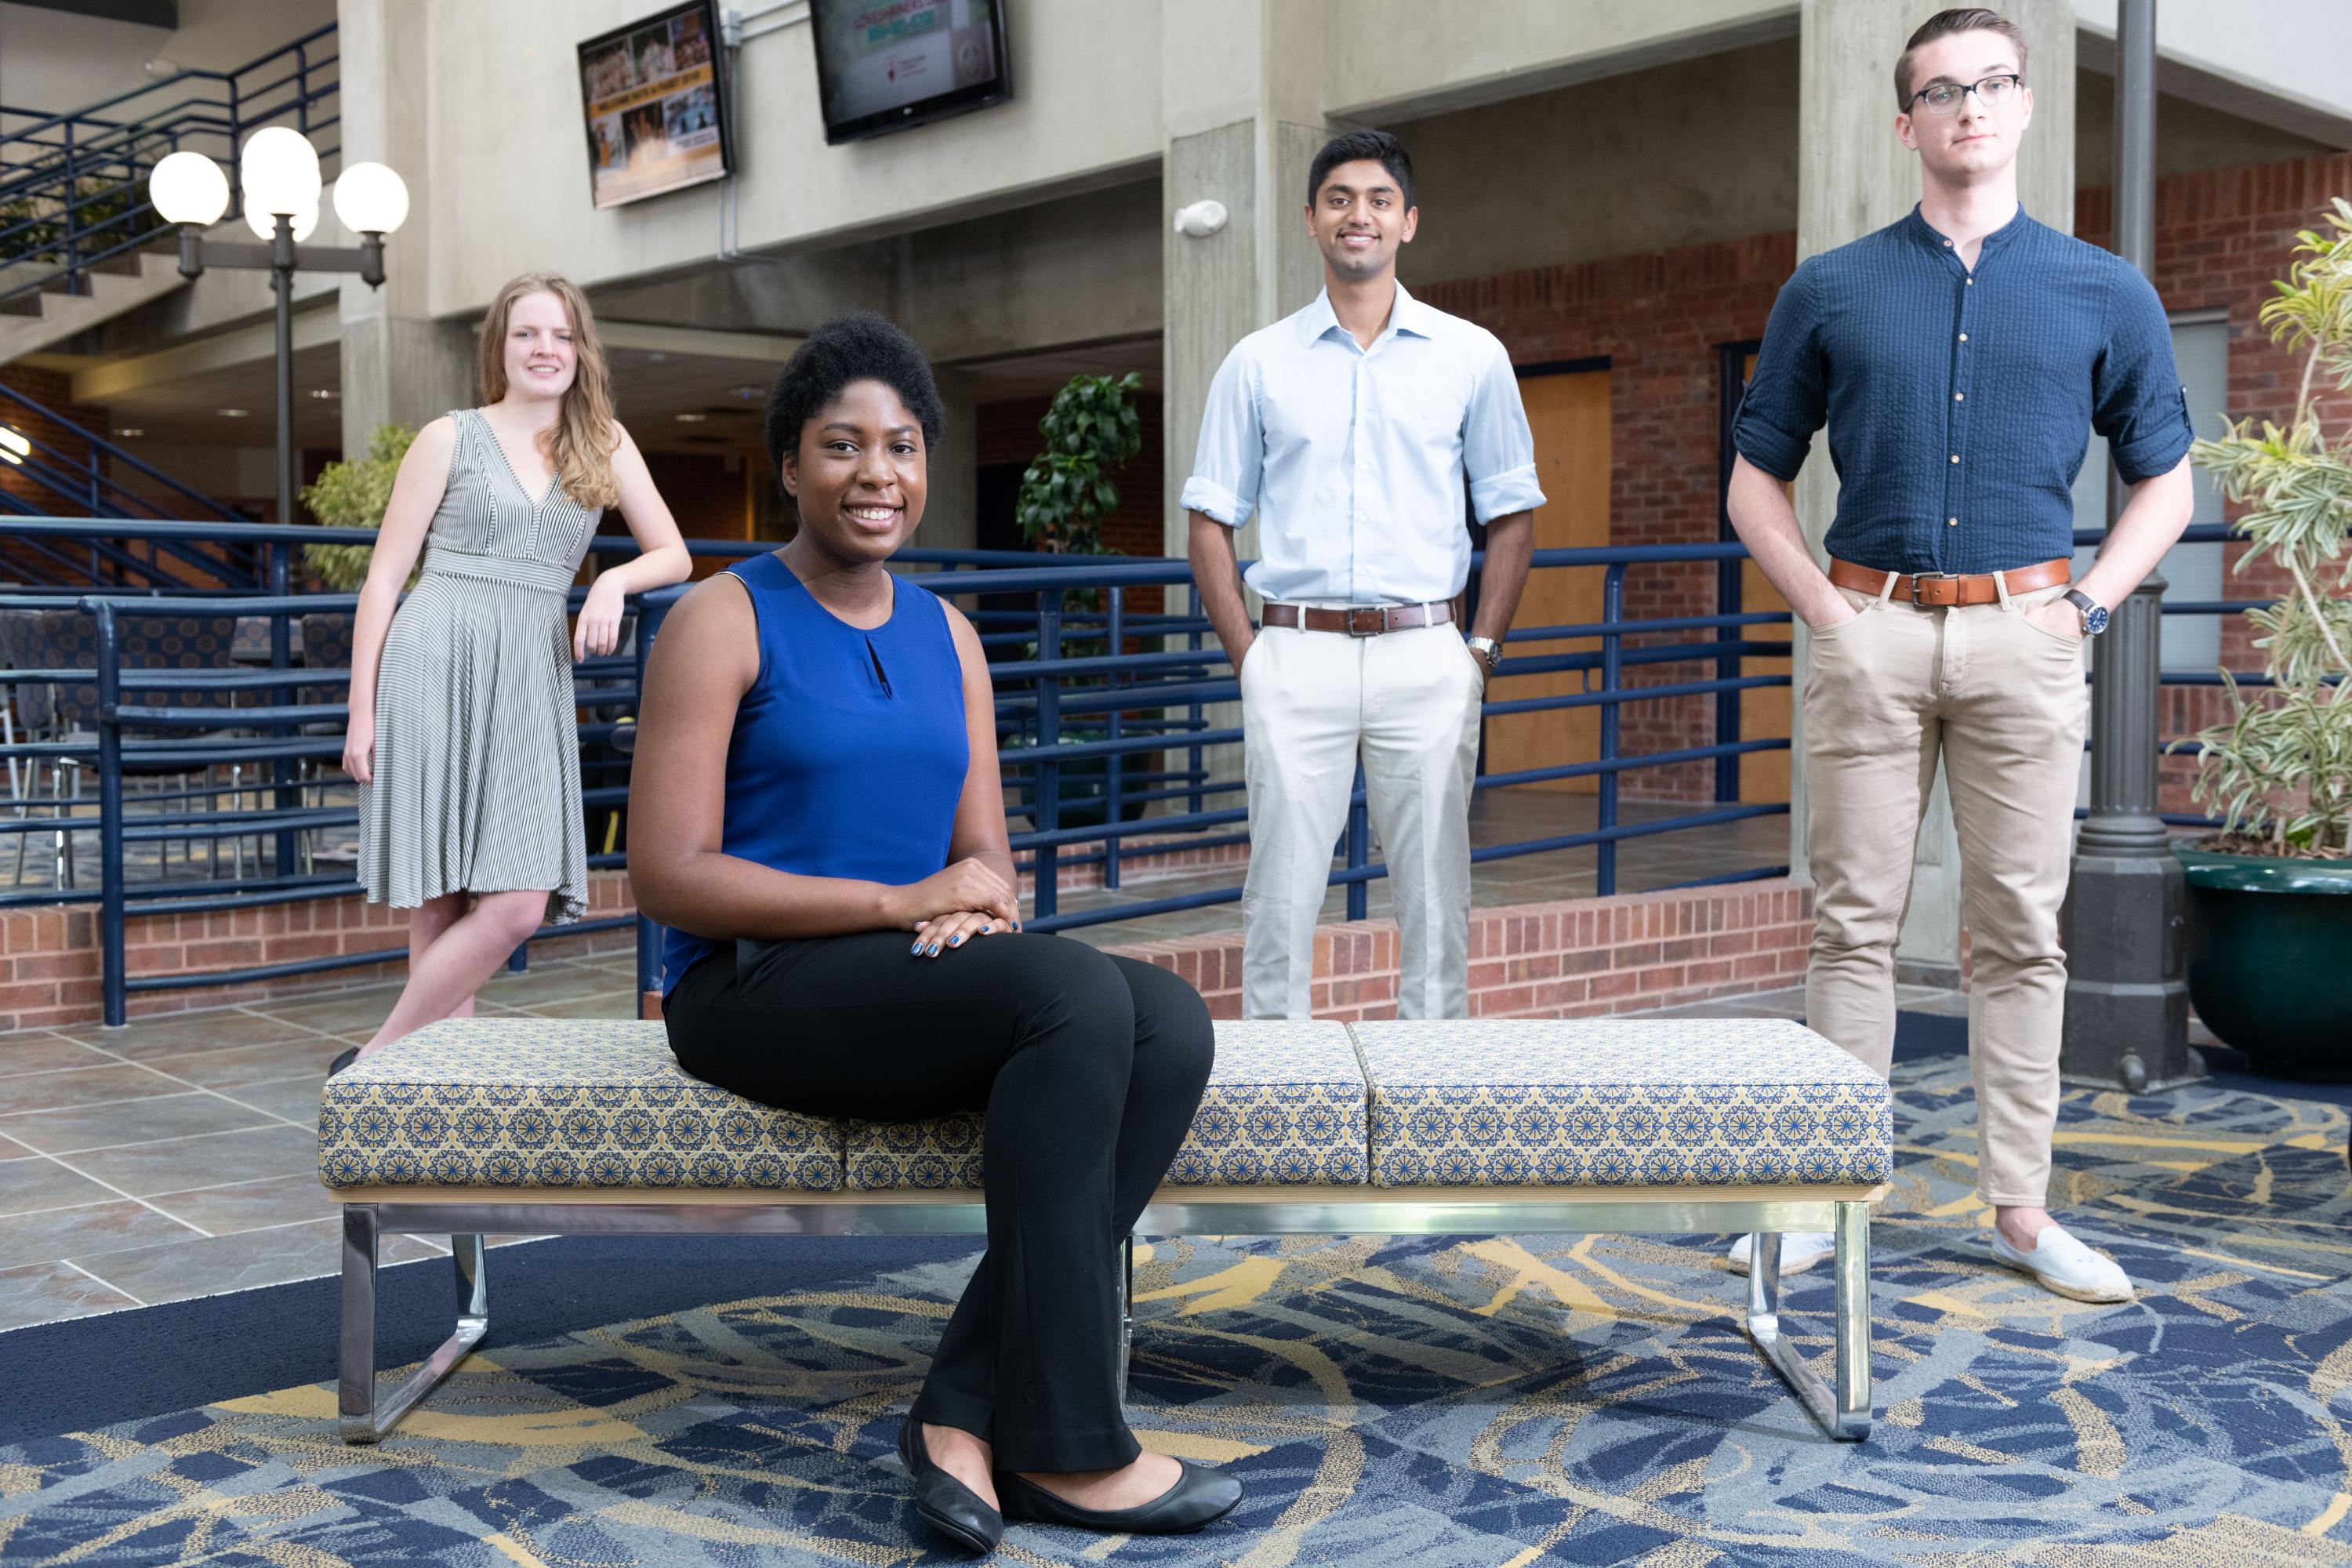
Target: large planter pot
x: 2270, y: 959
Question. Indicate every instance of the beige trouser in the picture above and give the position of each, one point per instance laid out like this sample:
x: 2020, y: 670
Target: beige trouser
x: 2003, y: 702
x: 1408, y: 701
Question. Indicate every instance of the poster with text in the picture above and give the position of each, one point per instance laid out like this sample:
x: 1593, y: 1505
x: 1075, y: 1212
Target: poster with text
x: 655, y: 116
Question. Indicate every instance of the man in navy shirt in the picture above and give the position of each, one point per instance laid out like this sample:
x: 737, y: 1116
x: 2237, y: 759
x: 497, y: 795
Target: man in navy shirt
x: 1960, y: 359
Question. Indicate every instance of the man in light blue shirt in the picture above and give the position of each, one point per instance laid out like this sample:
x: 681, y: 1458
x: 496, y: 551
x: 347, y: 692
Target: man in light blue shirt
x: 1349, y: 429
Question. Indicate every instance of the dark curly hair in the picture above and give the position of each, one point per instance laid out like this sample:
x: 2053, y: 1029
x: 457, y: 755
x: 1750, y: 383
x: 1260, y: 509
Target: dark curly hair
x: 856, y: 345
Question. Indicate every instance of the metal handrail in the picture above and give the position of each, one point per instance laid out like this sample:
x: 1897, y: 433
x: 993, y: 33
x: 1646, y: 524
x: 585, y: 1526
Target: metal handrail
x: 1063, y: 706
x: 87, y: 148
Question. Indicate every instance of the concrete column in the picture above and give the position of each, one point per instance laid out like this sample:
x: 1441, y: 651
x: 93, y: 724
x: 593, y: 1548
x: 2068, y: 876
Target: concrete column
x: 1241, y: 86
x: 1855, y: 176
x: 399, y: 365
x: 950, y: 514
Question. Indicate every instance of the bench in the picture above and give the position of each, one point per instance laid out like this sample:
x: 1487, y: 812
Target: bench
x: 1691, y: 1126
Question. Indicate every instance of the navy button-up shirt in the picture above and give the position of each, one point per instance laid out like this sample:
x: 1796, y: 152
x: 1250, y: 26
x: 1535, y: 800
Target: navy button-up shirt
x: 1960, y: 404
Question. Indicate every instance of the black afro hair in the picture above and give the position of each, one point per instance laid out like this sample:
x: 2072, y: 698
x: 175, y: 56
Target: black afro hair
x: 857, y: 345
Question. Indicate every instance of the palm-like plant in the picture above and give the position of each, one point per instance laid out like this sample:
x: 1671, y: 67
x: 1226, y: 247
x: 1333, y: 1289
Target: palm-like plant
x: 2281, y: 768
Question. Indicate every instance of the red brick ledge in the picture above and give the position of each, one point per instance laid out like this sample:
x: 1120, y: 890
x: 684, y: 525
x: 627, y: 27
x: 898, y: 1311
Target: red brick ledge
x: 1558, y: 960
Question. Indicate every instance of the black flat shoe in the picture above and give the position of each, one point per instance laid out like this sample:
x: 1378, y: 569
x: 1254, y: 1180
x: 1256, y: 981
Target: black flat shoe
x: 1199, y: 1497
x: 948, y: 1505
x: 343, y: 1061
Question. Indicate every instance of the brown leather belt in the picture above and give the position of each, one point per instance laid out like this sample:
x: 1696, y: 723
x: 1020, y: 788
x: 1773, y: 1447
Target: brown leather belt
x: 1363, y: 621
x: 1938, y: 590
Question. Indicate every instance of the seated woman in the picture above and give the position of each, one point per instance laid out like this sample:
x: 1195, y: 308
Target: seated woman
x: 816, y: 779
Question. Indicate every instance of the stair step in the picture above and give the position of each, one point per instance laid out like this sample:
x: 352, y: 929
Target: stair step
x: 21, y: 305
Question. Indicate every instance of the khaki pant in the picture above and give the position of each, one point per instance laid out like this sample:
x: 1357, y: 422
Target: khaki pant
x: 2003, y: 703
x: 1311, y: 702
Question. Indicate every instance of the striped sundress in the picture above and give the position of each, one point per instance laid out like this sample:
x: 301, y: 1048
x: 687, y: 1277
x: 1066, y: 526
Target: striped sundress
x: 477, y: 757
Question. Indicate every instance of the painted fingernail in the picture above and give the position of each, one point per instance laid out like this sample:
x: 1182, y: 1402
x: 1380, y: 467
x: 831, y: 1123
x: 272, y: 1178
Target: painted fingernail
x: 985, y: 930
x: 956, y: 943
x: 935, y: 950
x: 915, y: 950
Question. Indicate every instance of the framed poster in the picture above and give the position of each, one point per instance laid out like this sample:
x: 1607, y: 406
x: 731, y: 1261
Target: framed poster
x: 655, y: 99
x: 886, y: 65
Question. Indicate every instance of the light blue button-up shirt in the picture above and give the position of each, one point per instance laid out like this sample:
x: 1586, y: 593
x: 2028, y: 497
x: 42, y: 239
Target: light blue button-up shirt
x: 1354, y: 458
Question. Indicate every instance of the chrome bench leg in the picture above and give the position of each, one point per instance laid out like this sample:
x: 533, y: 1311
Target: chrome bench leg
x: 361, y: 1422
x: 1844, y: 1413
x: 1126, y: 1308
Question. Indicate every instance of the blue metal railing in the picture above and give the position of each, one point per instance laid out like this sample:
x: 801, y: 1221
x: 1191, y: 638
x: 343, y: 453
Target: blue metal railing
x: 74, y: 193
x: 1079, y: 712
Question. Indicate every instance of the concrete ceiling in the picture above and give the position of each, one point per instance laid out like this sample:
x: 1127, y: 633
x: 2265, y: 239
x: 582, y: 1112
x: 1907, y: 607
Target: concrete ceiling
x: 187, y: 408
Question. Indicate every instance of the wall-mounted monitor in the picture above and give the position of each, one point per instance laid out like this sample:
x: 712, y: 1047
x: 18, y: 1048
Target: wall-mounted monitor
x: 655, y: 98
x: 886, y: 64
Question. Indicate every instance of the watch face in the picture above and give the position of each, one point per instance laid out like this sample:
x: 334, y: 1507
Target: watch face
x: 2094, y: 620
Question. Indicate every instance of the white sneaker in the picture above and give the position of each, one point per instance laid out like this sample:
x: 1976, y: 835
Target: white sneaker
x: 1800, y: 1251
x: 2066, y: 1266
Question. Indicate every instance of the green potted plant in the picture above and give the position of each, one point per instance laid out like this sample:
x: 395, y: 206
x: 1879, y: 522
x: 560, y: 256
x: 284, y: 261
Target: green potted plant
x: 2270, y: 895
x: 353, y: 494
x: 1090, y: 429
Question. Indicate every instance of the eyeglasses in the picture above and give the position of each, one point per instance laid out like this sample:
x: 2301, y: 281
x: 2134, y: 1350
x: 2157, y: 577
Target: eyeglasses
x: 1944, y: 97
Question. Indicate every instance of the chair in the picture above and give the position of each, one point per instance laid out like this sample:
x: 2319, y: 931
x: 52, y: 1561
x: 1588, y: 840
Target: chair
x: 65, y: 713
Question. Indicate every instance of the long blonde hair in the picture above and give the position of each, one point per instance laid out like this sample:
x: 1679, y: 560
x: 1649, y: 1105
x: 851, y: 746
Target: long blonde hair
x: 581, y: 443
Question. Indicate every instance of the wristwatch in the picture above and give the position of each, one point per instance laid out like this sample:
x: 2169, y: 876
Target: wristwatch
x: 2094, y: 614
x: 1489, y: 652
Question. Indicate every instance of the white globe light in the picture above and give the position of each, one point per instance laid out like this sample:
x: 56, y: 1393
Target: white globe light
x: 188, y: 187
x: 266, y: 223
x: 279, y: 169
x: 371, y: 199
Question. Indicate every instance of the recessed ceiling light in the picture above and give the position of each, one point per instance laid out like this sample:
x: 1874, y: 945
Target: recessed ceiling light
x: 128, y: 430
x: 657, y: 358
x: 325, y: 394
x: 233, y: 412
x: 691, y: 418
x: 750, y: 392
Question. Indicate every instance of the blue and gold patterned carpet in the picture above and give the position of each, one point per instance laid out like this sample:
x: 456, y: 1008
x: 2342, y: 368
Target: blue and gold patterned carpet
x: 1441, y: 1401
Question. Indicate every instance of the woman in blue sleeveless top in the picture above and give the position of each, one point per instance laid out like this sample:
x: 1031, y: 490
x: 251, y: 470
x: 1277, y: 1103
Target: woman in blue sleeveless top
x: 816, y: 788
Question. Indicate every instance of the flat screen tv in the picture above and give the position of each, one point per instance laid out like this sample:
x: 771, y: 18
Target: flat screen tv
x: 656, y: 107
x: 886, y: 64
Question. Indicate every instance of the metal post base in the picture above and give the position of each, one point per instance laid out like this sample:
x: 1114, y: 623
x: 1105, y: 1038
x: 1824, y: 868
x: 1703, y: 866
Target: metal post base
x: 361, y: 1420
x: 1845, y: 1413
x: 1126, y: 1310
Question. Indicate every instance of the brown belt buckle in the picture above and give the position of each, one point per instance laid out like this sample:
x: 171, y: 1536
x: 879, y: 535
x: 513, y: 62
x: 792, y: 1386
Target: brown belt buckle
x: 1919, y: 577
x: 1369, y: 622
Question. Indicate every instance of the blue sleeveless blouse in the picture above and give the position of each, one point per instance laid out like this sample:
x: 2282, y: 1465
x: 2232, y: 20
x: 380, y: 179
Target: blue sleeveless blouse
x: 849, y: 750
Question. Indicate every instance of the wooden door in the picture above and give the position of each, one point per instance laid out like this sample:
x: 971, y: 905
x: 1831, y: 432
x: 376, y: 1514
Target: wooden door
x: 1569, y: 414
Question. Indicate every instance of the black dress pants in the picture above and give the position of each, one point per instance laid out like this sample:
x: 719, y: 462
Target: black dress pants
x: 1089, y: 1069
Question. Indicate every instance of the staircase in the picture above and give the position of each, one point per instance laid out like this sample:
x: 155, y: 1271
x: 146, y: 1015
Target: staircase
x: 56, y: 468
x: 78, y: 235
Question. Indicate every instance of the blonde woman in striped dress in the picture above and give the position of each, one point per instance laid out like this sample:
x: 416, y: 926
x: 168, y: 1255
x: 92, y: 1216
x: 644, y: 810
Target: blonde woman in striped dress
x: 461, y: 732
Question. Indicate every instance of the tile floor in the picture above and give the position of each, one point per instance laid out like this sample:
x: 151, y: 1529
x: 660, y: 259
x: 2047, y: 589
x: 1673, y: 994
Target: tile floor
x: 179, y: 1157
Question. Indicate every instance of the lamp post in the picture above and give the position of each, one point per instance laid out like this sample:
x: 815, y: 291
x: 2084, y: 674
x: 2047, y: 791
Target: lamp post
x: 280, y: 173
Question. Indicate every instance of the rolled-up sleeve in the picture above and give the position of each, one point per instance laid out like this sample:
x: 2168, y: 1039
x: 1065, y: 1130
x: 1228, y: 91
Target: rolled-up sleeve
x: 1498, y: 450
x: 2137, y: 401
x: 1230, y: 456
x: 1787, y: 398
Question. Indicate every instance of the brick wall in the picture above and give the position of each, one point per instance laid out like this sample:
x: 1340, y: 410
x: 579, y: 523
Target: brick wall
x: 1571, y: 960
x: 2221, y: 235
x: 1658, y: 317
x: 1535, y: 961
x: 49, y: 957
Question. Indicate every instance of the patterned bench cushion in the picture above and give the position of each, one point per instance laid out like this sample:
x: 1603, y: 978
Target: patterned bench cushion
x: 1621, y: 1102
x: 531, y: 1102
x: 1285, y: 1106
